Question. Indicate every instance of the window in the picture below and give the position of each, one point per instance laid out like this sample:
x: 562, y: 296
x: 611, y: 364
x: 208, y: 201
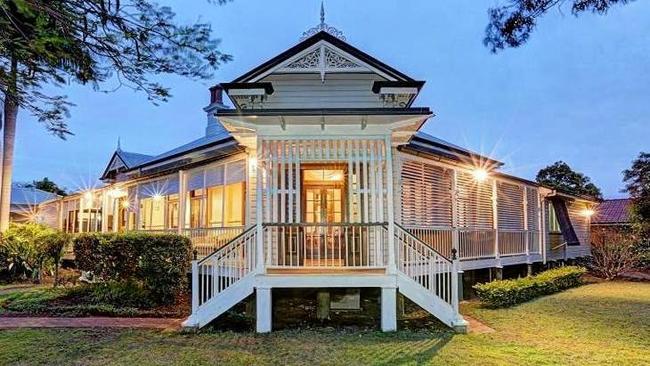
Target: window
x: 194, y: 208
x: 553, y: 223
x: 234, y: 205
x: 215, y: 206
x: 172, y: 211
x: 152, y: 213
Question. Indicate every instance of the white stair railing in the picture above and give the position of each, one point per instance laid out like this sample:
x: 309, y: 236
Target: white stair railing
x: 428, y: 268
x: 223, y: 268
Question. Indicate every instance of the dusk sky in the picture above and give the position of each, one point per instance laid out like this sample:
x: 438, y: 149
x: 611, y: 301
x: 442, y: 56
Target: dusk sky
x: 578, y: 91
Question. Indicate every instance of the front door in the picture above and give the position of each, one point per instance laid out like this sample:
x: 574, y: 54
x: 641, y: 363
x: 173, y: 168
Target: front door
x: 324, y: 190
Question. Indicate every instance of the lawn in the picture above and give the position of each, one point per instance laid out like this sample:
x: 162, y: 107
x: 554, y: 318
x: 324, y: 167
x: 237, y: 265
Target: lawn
x: 604, y: 323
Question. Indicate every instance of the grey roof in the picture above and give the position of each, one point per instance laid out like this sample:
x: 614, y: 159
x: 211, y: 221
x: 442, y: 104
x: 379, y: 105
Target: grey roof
x: 196, y: 144
x: 25, y: 196
x: 132, y: 159
x: 429, y: 144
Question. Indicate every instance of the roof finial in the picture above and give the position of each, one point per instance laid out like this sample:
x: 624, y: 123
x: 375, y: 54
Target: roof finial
x: 119, y: 145
x: 322, y: 14
x: 322, y: 27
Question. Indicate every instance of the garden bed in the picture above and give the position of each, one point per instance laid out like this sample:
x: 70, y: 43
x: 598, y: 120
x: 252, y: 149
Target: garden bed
x: 80, y: 301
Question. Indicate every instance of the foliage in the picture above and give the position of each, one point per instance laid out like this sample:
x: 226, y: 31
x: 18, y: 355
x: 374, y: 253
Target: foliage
x: 53, y: 246
x: 122, y: 43
x: 25, y: 248
x: 560, y: 176
x: 48, y: 186
x: 158, y: 262
x: 511, y: 25
x: 505, y: 293
x: 123, y: 294
x: 637, y: 185
x: 613, y: 252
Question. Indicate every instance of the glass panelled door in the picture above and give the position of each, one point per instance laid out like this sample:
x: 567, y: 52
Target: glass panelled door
x: 323, y: 213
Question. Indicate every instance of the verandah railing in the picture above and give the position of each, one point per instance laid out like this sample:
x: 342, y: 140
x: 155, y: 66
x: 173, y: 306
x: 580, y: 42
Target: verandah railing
x: 223, y: 268
x: 479, y: 243
x: 358, y: 245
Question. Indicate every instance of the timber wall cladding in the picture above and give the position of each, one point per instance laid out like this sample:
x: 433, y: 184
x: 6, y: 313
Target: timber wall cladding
x: 363, y: 160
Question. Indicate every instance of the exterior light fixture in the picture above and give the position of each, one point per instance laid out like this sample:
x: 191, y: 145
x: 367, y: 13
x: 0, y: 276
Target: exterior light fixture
x: 588, y: 212
x: 116, y: 193
x: 252, y: 162
x: 157, y: 197
x: 480, y: 174
x: 88, y: 195
x: 126, y: 204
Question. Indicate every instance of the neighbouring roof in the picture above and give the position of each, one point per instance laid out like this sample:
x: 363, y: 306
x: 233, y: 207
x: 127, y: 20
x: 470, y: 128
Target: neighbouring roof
x: 29, y: 196
x: 613, y: 212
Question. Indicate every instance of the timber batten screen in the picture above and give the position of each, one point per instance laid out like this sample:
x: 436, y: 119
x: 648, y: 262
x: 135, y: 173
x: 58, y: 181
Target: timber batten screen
x: 363, y: 187
x: 447, y: 207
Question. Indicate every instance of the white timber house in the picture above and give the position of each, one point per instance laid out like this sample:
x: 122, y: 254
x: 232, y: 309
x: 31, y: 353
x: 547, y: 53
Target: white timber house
x: 318, y: 177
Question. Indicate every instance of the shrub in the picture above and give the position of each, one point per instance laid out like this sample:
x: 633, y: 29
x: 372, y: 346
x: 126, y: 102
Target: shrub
x: 613, y: 252
x: 24, y: 249
x: 123, y: 294
x: 506, y: 293
x: 53, y: 245
x: 158, y: 262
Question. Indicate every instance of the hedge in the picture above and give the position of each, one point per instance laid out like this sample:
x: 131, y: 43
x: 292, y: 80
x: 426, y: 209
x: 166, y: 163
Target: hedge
x: 505, y: 293
x: 159, y: 262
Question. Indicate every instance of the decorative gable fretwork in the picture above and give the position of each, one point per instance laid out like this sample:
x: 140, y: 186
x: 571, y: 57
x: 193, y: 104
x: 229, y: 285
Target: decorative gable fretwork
x: 323, y: 59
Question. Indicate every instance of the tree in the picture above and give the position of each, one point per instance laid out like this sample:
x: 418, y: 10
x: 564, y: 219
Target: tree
x: 511, y: 25
x: 48, y: 186
x: 107, y: 44
x: 560, y: 176
x: 637, y: 185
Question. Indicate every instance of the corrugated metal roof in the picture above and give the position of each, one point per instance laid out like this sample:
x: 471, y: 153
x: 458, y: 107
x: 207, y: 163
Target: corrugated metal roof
x: 614, y: 211
x: 29, y: 196
x: 132, y: 159
x: 424, y: 142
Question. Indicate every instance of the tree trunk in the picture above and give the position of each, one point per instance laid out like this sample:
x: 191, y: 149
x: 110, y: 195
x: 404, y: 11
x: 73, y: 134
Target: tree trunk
x: 8, y: 139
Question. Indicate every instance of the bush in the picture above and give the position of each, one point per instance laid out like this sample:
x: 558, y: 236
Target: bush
x: 25, y: 250
x: 157, y: 262
x: 613, y: 252
x: 123, y: 294
x: 506, y: 293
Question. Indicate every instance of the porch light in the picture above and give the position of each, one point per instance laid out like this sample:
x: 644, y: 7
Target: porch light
x: 126, y: 204
x: 480, y: 174
x: 116, y: 193
x: 588, y: 212
x: 157, y: 197
x: 88, y: 195
x: 252, y: 162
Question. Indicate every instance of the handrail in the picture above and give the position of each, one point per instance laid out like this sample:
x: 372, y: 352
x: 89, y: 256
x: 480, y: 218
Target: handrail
x: 225, y: 247
x: 328, y: 224
x: 420, y: 241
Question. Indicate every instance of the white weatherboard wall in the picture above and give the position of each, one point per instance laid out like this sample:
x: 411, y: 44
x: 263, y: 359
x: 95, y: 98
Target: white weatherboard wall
x: 336, y: 91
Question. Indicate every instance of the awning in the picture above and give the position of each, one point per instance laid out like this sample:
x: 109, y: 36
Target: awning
x: 562, y: 214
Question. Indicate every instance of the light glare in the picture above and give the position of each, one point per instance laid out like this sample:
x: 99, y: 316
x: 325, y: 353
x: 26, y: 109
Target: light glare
x: 480, y: 174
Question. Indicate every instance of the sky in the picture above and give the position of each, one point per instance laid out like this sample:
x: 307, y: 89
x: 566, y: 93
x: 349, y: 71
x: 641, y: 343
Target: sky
x: 578, y: 91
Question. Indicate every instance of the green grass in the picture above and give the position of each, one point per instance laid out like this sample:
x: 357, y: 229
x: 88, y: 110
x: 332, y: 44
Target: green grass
x: 604, y: 323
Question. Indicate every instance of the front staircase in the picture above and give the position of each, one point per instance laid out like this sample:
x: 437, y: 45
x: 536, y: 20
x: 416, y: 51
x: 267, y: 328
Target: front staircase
x: 233, y: 272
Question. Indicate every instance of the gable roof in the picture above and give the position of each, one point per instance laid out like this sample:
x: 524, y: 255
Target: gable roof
x: 613, y: 212
x: 322, y: 36
x: 132, y: 159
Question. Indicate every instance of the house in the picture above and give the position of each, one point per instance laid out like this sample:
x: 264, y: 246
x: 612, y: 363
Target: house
x: 612, y: 217
x: 318, y: 176
x: 25, y: 201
